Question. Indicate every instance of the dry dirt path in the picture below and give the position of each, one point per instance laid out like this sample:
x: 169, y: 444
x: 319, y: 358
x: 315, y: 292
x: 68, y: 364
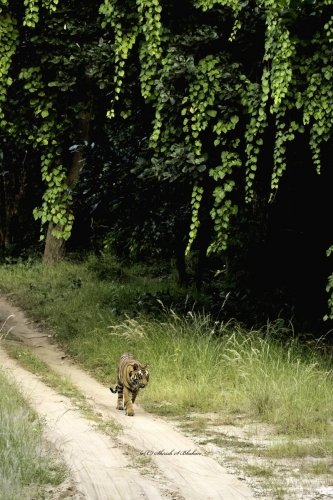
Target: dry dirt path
x: 98, y: 464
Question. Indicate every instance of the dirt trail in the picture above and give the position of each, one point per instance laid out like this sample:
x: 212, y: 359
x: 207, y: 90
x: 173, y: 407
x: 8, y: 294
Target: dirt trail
x: 99, y: 467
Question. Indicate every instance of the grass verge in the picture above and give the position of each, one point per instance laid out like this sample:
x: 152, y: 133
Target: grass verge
x: 26, y: 467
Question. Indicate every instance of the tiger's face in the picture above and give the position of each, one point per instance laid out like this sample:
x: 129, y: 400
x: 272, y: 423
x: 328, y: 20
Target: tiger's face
x: 139, y: 376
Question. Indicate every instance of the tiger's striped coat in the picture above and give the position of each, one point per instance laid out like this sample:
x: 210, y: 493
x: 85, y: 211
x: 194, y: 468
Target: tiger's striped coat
x: 132, y: 376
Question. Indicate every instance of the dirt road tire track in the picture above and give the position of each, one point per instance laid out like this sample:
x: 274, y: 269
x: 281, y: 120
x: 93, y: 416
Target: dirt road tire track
x: 99, y: 468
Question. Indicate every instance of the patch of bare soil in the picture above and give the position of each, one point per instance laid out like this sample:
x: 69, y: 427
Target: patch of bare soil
x: 102, y: 468
x: 240, y: 446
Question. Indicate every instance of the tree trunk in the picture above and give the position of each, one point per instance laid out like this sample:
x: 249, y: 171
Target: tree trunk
x: 55, y: 248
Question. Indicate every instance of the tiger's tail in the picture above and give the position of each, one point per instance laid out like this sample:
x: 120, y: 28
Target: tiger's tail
x: 115, y: 390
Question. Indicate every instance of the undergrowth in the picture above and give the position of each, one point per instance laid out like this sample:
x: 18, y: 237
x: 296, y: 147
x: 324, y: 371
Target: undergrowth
x: 25, y: 465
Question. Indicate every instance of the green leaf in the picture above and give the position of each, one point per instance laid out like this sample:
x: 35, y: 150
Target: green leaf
x: 211, y: 112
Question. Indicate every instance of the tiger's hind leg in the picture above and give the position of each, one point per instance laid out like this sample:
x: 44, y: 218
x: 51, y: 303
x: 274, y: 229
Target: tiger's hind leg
x: 120, y: 404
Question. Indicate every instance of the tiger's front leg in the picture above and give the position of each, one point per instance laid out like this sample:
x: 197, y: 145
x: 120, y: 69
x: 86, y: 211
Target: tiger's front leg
x: 128, y: 402
x: 120, y: 404
x: 134, y: 395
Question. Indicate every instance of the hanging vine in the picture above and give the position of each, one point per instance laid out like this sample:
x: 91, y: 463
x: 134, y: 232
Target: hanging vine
x: 210, y: 110
x: 31, y: 17
x: 151, y: 49
x: 289, y: 80
x: 223, y: 208
x: 234, y: 5
x: 125, y: 30
x: 143, y: 22
x: 8, y: 44
x: 50, y: 5
x: 46, y: 129
x: 32, y: 10
x: 57, y: 198
x: 199, y: 112
x: 318, y: 96
x: 195, y: 205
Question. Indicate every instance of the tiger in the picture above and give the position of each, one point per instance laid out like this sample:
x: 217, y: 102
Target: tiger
x: 132, y: 376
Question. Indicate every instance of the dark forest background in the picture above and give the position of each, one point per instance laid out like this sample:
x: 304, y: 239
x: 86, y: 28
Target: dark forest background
x: 130, y: 202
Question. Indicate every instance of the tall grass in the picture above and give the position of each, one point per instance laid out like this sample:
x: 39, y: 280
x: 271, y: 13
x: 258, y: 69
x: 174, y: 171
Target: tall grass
x: 184, y: 357
x: 25, y: 467
x: 200, y: 368
x: 283, y: 383
x: 196, y: 365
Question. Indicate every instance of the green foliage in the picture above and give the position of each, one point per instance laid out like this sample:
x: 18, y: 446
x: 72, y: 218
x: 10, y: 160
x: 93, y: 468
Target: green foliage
x: 44, y: 118
x: 223, y: 208
x: 8, y: 45
x: 32, y: 10
x: 56, y: 198
x: 150, y: 53
x: 217, y: 78
x: 125, y: 33
x: 195, y: 202
x: 199, y: 103
x: 44, y: 131
x: 290, y: 75
x: 31, y: 17
x: 329, y: 290
x: 190, y: 89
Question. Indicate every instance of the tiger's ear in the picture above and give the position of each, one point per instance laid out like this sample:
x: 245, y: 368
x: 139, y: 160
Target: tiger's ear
x: 135, y: 366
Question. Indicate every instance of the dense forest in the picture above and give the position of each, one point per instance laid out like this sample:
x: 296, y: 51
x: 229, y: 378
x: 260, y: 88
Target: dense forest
x: 188, y: 133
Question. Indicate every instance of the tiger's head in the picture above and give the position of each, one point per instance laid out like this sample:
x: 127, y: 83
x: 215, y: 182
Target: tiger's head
x: 138, y: 376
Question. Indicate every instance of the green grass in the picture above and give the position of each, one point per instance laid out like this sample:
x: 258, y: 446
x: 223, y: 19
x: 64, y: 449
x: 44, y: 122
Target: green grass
x: 319, y: 468
x: 224, y: 441
x: 319, y: 448
x: 259, y: 470
x: 98, y: 310
x: 26, y: 468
